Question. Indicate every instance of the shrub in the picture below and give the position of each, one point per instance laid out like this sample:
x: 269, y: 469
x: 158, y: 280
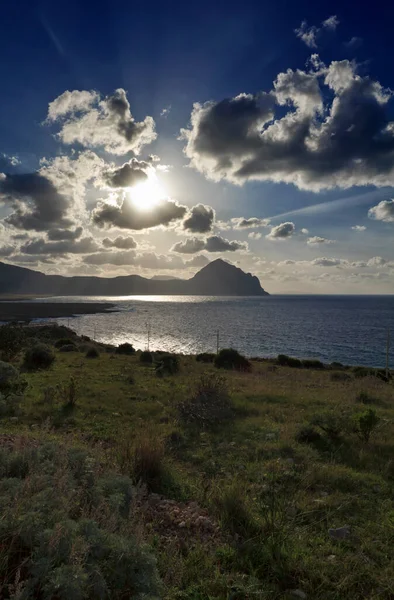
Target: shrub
x: 63, y: 342
x: 340, y: 377
x: 307, y: 435
x: 68, y: 348
x: 332, y: 423
x: 148, y: 463
x: 146, y: 357
x: 366, y: 398
x: 12, y: 339
x: 39, y: 356
x: 287, y: 361
x: 68, y: 393
x: 61, y: 532
x: 228, y: 358
x: 311, y: 363
x: 92, y: 353
x: 125, y: 348
x: 205, y: 357
x: 366, y: 424
x: 209, y: 405
x: 233, y: 511
x: 168, y: 364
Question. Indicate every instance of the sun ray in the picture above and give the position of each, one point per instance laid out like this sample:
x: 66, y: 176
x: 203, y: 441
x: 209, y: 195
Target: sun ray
x: 148, y: 194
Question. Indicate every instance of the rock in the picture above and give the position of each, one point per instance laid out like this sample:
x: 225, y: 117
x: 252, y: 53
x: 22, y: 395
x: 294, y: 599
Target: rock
x: 14, y: 419
x: 324, y: 494
x: 154, y: 499
x: 34, y: 426
x: 298, y: 594
x: 271, y: 437
x: 340, y: 533
x: 232, y: 444
x: 331, y: 558
x: 182, y: 525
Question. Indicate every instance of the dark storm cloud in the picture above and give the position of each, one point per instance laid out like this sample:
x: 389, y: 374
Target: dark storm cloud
x: 336, y: 132
x: 123, y: 243
x: 127, y: 175
x: 36, y: 202
x: 93, y: 122
x: 126, y: 215
x: 282, y: 231
x: 213, y: 243
x: 7, y: 250
x: 200, y: 219
x: 41, y: 246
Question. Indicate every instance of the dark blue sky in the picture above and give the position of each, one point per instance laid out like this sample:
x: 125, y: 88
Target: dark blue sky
x: 174, y: 54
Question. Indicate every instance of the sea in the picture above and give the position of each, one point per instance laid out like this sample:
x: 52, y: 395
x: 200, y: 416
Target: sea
x: 349, y: 329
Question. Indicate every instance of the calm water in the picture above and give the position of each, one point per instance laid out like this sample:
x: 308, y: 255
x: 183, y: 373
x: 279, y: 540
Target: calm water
x: 349, y: 329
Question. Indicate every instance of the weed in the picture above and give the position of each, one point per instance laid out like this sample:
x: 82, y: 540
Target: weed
x: 125, y: 348
x: 209, y: 405
x: 148, y: 463
x: 340, y: 377
x: 39, y: 356
x: 92, y: 352
x: 168, y: 364
x: 228, y: 358
x: 366, y: 424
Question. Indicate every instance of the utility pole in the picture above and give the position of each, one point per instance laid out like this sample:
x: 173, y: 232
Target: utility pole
x: 148, y: 330
x: 217, y: 342
x: 387, y: 352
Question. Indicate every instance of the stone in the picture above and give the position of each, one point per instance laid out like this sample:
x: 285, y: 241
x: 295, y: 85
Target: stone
x: 182, y: 525
x: 298, y: 594
x: 14, y: 419
x: 270, y: 437
x: 331, y: 558
x: 340, y: 533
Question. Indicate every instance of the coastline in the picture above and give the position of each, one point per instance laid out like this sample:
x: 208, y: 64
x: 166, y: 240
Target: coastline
x: 26, y: 311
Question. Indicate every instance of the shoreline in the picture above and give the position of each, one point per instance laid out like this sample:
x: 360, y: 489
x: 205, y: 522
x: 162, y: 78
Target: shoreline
x: 27, y: 311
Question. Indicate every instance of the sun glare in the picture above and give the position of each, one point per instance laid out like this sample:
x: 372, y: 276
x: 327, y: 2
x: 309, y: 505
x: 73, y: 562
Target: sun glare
x: 147, y: 195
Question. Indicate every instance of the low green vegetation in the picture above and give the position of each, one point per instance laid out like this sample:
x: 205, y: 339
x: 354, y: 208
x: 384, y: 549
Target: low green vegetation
x: 152, y: 475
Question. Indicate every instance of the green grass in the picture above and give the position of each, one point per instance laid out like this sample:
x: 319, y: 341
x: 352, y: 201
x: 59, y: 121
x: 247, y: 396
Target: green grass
x: 273, y: 499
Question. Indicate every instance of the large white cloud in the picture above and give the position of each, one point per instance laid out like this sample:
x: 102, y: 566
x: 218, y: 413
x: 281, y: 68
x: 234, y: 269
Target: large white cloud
x: 282, y: 231
x: 108, y: 123
x: 336, y: 132
x: 384, y: 211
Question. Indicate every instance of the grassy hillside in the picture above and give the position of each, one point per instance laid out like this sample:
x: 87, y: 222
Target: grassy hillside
x: 278, y: 493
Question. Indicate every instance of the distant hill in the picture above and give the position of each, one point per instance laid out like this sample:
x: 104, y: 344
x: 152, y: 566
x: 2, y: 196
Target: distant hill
x: 163, y: 278
x: 218, y: 278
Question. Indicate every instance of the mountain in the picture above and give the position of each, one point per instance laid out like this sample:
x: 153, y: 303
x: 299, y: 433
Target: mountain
x: 218, y: 278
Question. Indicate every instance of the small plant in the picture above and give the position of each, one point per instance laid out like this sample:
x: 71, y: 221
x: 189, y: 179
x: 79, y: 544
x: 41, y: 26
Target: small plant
x: 205, y: 357
x: 39, y: 356
x: 12, y: 387
x: 287, y: 361
x: 146, y: 357
x: 366, y: 398
x: 332, y: 423
x: 68, y: 393
x: 366, y: 424
x: 228, y: 358
x: 148, y: 463
x: 233, y: 511
x: 125, y: 348
x: 210, y: 404
x: 92, y: 352
x: 168, y: 364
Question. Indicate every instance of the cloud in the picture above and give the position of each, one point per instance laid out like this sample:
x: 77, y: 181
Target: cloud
x: 56, y: 235
x: 41, y: 246
x: 200, y: 219
x: 376, y: 261
x: 108, y: 123
x: 123, y: 213
x: 129, y: 174
x: 254, y: 235
x: 384, y: 211
x: 248, y: 223
x: 189, y: 246
x: 327, y: 262
x: 335, y: 133
x: 166, y: 111
x: 331, y: 23
x: 197, y: 261
x: 124, y: 243
x: 146, y: 260
x: 358, y: 227
x: 282, y: 231
x: 354, y: 42
x: 316, y: 240
x: 7, y: 250
x: 310, y: 34
x: 213, y: 243
x: 9, y: 160
x: 305, y: 231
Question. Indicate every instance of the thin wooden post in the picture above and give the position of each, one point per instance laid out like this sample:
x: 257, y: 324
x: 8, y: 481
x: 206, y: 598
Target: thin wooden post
x: 148, y: 331
x: 217, y: 342
x: 387, y: 353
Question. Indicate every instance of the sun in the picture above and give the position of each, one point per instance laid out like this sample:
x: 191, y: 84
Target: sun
x: 148, y: 194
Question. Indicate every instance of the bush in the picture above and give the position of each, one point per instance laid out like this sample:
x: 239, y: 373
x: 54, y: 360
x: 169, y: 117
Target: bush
x: 168, y: 364
x: 146, y: 357
x: 39, y: 356
x: 311, y: 363
x: 64, y: 342
x: 340, y: 377
x: 205, y: 357
x: 366, y: 398
x: 228, y: 358
x: 148, y: 463
x: 125, y: 348
x: 12, y: 339
x: 12, y: 387
x: 68, y: 531
x: 232, y: 509
x: 307, y: 435
x: 210, y: 404
x: 366, y: 423
x: 68, y: 348
x: 92, y: 353
x: 332, y: 423
x: 287, y: 361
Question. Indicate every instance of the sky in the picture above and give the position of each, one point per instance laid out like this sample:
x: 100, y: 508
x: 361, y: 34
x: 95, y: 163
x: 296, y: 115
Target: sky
x: 152, y: 138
